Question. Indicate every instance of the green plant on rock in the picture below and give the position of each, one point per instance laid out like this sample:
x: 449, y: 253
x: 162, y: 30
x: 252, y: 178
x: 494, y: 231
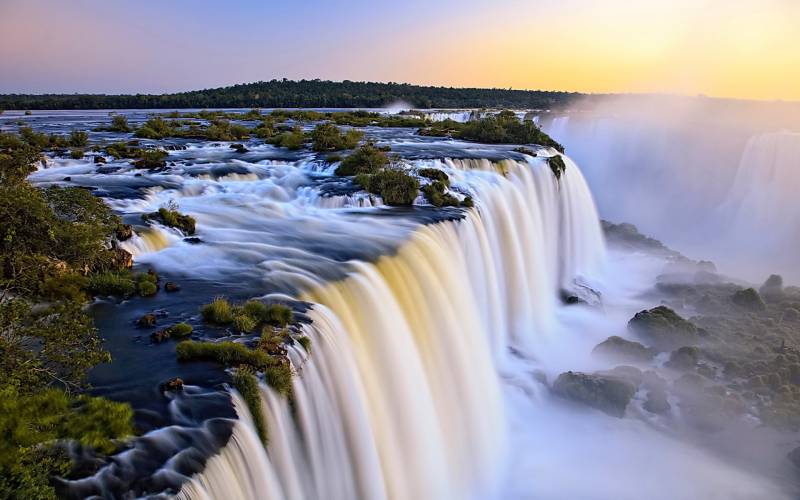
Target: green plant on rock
x: 245, y: 381
x: 557, y: 165
x: 226, y: 353
x: 219, y: 311
x: 367, y: 159
x: 180, y: 330
x: 394, y: 186
x: 328, y: 137
x: 435, y: 194
x: 293, y: 140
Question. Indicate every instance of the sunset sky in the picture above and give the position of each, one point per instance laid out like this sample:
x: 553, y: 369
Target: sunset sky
x: 727, y: 48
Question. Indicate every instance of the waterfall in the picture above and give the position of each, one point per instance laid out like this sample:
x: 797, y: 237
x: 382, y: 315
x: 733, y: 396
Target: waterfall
x: 401, y: 395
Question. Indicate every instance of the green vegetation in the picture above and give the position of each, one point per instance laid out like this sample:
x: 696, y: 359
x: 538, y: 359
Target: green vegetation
x: 119, y: 123
x: 294, y: 139
x: 436, y: 195
x: 76, y: 153
x: 328, y: 137
x: 306, y: 343
x: 435, y: 174
x: 557, y: 165
x: 122, y: 283
x: 225, y: 353
x: 219, y: 312
x: 52, y: 244
x: 247, y: 316
x: 151, y: 158
x: 247, y: 384
x: 180, y: 330
x: 303, y: 94
x: 78, y: 139
x: 396, y: 187
x: 367, y: 159
x: 500, y: 128
x: 170, y: 217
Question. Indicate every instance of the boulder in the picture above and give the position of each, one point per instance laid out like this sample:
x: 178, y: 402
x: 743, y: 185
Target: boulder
x: 663, y: 329
x: 607, y: 394
x: 121, y: 259
x: 123, y: 232
x: 684, y: 358
x: 146, y: 321
x: 657, y: 402
x: 790, y: 315
x: 173, y: 385
x: 99, y: 159
x: 621, y: 350
x: 772, y: 289
x: 748, y: 299
x: 160, y: 336
x: 170, y: 287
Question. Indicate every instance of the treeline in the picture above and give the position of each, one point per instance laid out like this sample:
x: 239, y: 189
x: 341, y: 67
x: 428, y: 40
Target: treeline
x: 301, y: 94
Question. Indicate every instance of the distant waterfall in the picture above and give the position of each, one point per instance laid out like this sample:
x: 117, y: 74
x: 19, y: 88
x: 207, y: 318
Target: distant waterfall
x: 401, y: 395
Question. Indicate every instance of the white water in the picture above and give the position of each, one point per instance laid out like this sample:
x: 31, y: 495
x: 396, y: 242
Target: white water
x: 411, y: 390
x: 725, y: 191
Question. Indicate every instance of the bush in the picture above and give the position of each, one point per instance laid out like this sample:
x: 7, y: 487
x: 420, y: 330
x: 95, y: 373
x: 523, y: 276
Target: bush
x: 219, y: 311
x: 328, y: 137
x: 396, y: 187
x: 306, y: 343
x: 155, y: 128
x: 243, y: 323
x: 467, y: 202
x: 557, y: 165
x: 435, y: 174
x: 436, y: 196
x: 180, y: 330
x: 146, y: 288
x: 367, y: 159
x: 151, y: 158
x: 119, y: 123
x: 293, y: 140
x: 78, y: 138
x: 170, y: 217
x: 247, y: 384
x: 279, y: 315
x: 76, y: 153
x: 117, y: 284
x: 225, y: 353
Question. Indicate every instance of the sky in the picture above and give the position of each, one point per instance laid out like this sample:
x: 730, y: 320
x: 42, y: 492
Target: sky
x: 724, y: 48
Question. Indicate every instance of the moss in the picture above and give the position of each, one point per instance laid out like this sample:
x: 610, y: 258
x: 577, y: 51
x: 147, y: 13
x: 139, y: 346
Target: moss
x: 225, y: 353
x: 367, y: 159
x: 279, y: 377
x: 557, y: 165
x: 247, y: 384
x: 219, y: 311
x: 305, y: 342
x: 180, y: 330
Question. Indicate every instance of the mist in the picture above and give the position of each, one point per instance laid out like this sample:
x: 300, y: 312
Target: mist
x: 715, y: 179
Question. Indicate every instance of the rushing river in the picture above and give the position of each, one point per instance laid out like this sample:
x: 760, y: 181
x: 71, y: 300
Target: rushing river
x: 432, y: 330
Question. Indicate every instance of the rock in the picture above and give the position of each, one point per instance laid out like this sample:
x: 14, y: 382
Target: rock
x: 790, y: 315
x: 663, y: 329
x: 171, y: 287
x: 772, y: 289
x: 239, y: 148
x: 121, y: 259
x: 173, y: 384
x: 147, y: 321
x: 194, y: 240
x: 153, y: 275
x: 160, y: 336
x: 67, y: 179
x: 580, y: 293
x: 748, y: 299
x: 684, y: 358
x: 607, y: 394
x: 100, y: 159
x: 657, y: 402
x: 123, y: 232
x: 621, y: 350
x: 625, y: 373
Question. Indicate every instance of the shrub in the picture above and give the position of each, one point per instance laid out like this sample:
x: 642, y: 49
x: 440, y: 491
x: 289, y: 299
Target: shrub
x: 279, y: 315
x: 436, y: 196
x: 467, y: 202
x: 76, y: 153
x: 328, y: 137
x: 256, y: 310
x: 225, y: 353
x: 247, y: 384
x: 396, y: 187
x: 111, y: 283
x: 279, y: 377
x: 435, y: 174
x: 78, y: 138
x: 243, y: 323
x: 305, y: 342
x: 180, y: 330
x: 172, y: 218
x: 219, y: 311
x: 119, y: 123
x: 291, y: 140
x: 151, y: 158
x: 264, y: 130
x: 155, y: 128
x: 367, y: 159
x: 146, y: 288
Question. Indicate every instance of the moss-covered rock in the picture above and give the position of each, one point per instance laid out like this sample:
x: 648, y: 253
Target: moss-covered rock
x: 621, y: 350
x: 663, y: 329
x: 684, y: 358
x: 607, y: 394
x: 749, y: 300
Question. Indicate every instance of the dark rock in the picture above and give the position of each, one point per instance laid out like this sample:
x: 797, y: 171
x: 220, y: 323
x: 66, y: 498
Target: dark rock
x: 123, y: 232
x: 171, y: 287
x: 160, y: 336
x: 173, y: 384
x: 684, y: 358
x: 194, y: 240
x: 656, y: 402
x: 147, y: 321
x: 607, y: 394
x: 772, y: 289
x: 663, y: 329
x: 580, y: 293
x: 121, y: 259
x: 67, y: 179
x: 621, y: 350
x: 749, y: 299
x: 239, y: 148
x: 100, y: 159
x: 626, y: 373
x: 790, y: 315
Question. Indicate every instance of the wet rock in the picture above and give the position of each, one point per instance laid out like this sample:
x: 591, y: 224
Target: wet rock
x: 772, y: 289
x: 663, y: 329
x: 607, y: 394
x: 622, y: 350
x: 67, y: 179
x: 99, y: 159
x: 194, y: 240
x: 684, y: 358
x: 626, y: 373
x: 173, y: 385
x: 169, y: 286
x: 657, y: 402
x: 160, y: 336
x: 239, y: 148
x: 748, y: 299
x: 121, y: 259
x: 790, y: 315
x: 123, y: 232
x: 147, y: 321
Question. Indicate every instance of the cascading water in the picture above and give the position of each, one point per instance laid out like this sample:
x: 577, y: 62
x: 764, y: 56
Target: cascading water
x: 402, y: 395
